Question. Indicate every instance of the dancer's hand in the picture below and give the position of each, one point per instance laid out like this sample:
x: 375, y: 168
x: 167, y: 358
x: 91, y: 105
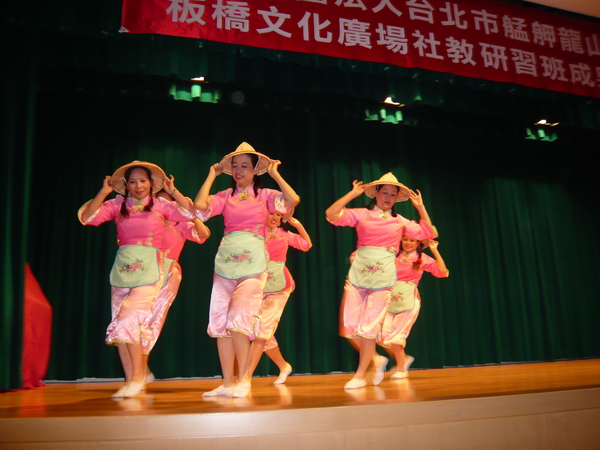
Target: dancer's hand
x: 215, y: 170
x: 358, y: 188
x: 106, y: 185
x: 273, y: 168
x: 169, y: 185
x: 416, y: 198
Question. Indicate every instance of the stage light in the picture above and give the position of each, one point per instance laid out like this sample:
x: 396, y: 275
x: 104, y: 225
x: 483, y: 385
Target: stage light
x: 199, y: 79
x: 545, y: 122
x: 390, y: 101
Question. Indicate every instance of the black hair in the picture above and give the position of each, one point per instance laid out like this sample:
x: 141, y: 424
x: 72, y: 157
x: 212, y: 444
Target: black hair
x: 373, y: 201
x: 148, y: 207
x: 417, y: 263
x: 257, y: 180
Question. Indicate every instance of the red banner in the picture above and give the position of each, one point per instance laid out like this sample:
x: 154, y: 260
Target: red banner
x: 473, y: 38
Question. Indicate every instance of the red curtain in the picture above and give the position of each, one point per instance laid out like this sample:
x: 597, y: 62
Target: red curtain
x: 37, y: 332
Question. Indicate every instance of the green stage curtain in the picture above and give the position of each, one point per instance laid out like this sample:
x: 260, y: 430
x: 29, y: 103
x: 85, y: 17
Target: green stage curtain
x: 517, y: 217
x: 516, y: 227
x: 18, y: 113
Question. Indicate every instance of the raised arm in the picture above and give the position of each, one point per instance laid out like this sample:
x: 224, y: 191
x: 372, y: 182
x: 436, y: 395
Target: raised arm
x: 97, y: 201
x: 201, y: 229
x: 181, y: 200
x: 417, y: 201
x: 433, y: 245
x: 333, y: 212
x: 289, y: 195
x: 301, y: 231
x: 201, y: 202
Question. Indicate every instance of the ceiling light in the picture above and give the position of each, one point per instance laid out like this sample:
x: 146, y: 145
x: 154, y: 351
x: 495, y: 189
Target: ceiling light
x: 545, y: 122
x: 389, y: 101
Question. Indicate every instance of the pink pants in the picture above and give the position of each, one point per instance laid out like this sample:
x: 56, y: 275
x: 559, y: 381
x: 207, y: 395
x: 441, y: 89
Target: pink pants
x: 235, y: 305
x: 162, y: 303
x: 396, y: 327
x: 131, y: 311
x: 270, y: 313
x: 362, y: 311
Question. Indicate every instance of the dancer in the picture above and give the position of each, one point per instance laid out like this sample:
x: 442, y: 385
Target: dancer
x: 241, y: 261
x: 278, y: 288
x: 137, y: 272
x: 174, y: 237
x: 373, y: 273
x: 405, y: 304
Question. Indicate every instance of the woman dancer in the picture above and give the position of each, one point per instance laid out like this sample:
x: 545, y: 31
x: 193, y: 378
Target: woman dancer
x: 174, y: 237
x: 372, y: 273
x: 405, y: 304
x: 241, y: 261
x: 278, y: 288
x: 137, y: 272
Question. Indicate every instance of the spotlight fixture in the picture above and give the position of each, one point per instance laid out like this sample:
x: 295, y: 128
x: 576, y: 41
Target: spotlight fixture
x: 545, y: 122
x: 200, y: 79
x: 389, y: 101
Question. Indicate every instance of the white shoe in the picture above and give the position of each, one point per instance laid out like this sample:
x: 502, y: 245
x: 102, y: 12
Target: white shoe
x: 220, y: 391
x: 408, y: 360
x: 133, y: 389
x: 399, y: 375
x: 149, y: 378
x: 355, y: 383
x: 380, y: 370
x: 120, y: 393
x: 283, y: 374
x: 242, y: 389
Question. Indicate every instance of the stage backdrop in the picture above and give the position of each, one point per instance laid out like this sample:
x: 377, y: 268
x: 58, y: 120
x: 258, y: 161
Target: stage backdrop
x: 516, y: 220
x: 517, y: 217
x: 475, y: 38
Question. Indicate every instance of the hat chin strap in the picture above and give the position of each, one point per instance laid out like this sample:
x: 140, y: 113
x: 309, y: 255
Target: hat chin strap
x: 256, y: 167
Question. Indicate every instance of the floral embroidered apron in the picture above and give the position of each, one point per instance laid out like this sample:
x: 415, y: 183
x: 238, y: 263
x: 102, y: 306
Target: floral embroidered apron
x: 241, y: 254
x: 135, y: 265
x: 403, y: 297
x: 275, y: 276
x: 373, y: 268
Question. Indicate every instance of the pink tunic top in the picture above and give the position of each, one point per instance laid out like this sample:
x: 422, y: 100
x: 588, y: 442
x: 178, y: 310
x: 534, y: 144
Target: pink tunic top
x: 174, y: 237
x: 278, y: 240
x: 405, y: 272
x: 375, y: 228
x: 140, y: 228
x: 242, y: 210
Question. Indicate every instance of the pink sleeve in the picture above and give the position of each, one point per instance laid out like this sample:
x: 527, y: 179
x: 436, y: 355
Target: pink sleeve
x: 107, y: 212
x: 188, y: 231
x: 430, y: 232
x: 349, y: 217
x: 216, y: 203
x: 297, y: 241
x: 173, y: 212
x: 427, y: 232
x: 275, y: 201
x: 429, y: 265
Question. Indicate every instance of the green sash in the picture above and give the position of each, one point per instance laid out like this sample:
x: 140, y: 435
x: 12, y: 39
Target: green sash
x: 373, y: 268
x: 403, y: 297
x: 135, y: 265
x: 241, y: 254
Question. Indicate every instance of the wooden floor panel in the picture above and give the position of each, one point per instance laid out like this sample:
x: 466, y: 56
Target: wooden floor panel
x: 183, y: 396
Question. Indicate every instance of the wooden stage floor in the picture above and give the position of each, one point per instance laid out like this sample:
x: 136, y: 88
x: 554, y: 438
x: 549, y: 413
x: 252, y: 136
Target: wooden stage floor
x: 317, y: 408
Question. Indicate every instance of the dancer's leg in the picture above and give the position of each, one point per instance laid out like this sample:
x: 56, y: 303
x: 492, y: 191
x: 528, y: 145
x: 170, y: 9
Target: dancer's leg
x: 256, y: 351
